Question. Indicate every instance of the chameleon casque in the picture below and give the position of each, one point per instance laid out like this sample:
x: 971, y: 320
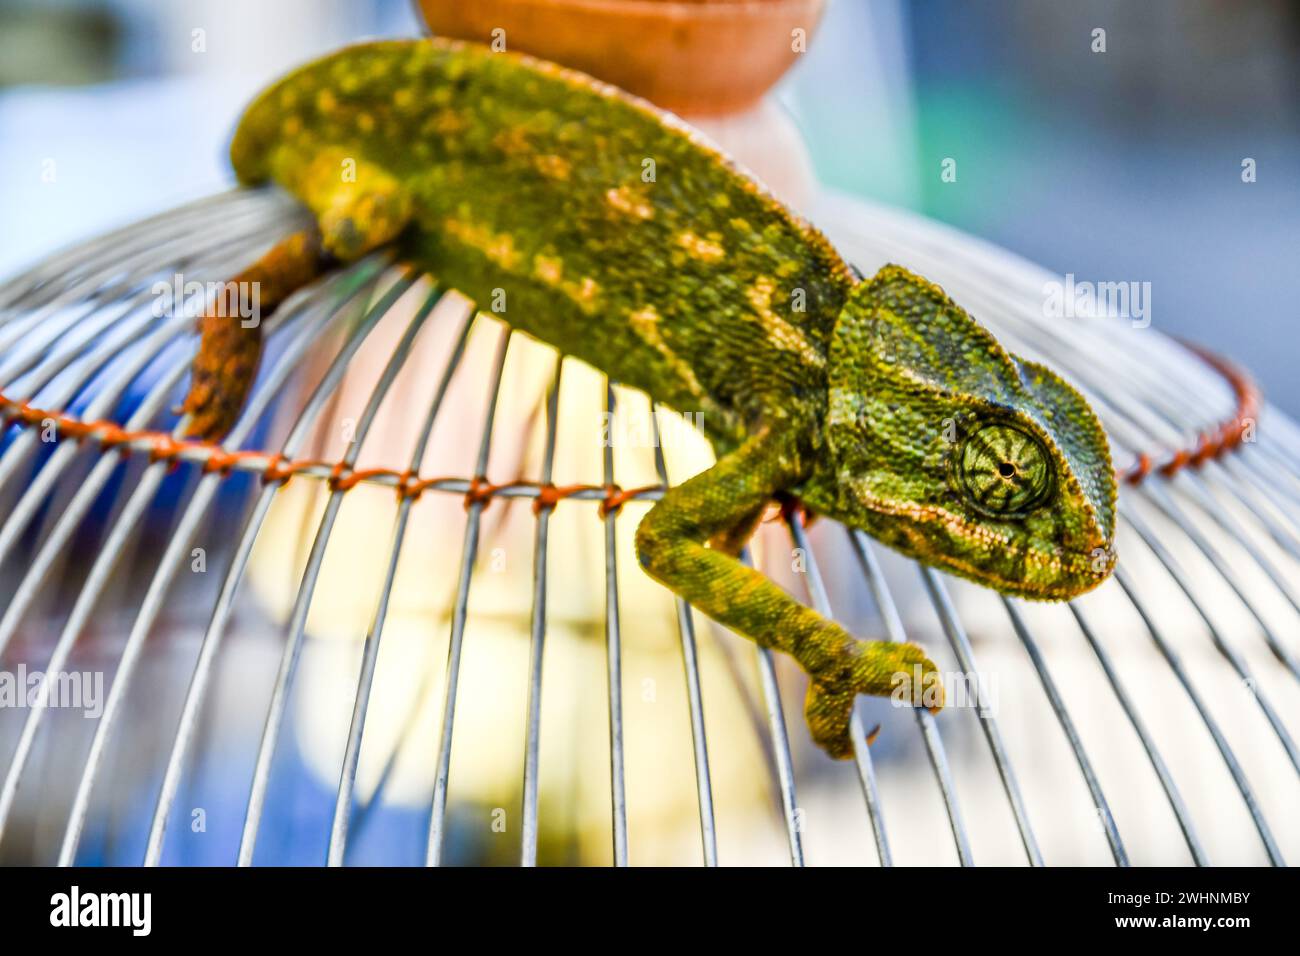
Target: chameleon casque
x: 877, y: 402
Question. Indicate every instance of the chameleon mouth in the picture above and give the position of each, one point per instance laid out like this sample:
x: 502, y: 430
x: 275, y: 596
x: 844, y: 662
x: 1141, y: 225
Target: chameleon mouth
x: 984, y: 555
x: 1045, y: 576
x: 1070, y: 576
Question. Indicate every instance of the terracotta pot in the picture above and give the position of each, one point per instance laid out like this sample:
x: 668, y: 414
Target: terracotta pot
x: 689, y: 56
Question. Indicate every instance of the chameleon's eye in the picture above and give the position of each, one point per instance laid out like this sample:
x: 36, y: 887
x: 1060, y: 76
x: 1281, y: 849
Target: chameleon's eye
x: 1003, y: 471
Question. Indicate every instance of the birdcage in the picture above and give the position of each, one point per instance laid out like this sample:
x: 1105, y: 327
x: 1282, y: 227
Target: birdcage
x: 394, y: 618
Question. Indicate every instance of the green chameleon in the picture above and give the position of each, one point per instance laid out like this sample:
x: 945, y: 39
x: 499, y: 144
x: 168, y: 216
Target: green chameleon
x: 617, y: 235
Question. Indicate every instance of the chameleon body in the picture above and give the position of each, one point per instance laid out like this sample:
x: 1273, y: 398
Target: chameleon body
x: 619, y: 236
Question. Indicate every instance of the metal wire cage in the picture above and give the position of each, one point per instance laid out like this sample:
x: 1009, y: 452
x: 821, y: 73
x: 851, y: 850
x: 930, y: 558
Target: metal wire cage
x: 287, y: 662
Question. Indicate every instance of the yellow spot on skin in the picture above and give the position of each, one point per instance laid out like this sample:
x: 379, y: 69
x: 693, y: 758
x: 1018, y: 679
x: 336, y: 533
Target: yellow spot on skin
x: 582, y: 293
x: 403, y: 98
x: 499, y: 247
x: 553, y: 167
x: 365, y: 122
x: 645, y: 323
x: 502, y: 250
x: 325, y: 101
x: 709, y: 250
x: 513, y: 141
x: 550, y: 269
x: 292, y: 125
x: 626, y: 200
x: 780, y: 332
x: 445, y: 122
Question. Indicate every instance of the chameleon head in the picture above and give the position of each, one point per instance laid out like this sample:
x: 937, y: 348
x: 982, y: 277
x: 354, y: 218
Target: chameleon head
x: 950, y: 449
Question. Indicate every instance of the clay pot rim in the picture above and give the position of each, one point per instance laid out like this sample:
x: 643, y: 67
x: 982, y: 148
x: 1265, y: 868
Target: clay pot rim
x: 699, y: 9
x: 670, y: 51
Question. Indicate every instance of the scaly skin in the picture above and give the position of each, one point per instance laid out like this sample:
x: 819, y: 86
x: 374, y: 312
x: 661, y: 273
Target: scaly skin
x: 620, y: 237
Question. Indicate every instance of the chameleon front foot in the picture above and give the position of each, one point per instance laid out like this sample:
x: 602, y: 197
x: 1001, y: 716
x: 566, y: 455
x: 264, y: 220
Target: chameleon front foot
x: 721, y: 506
x: 878, y: 668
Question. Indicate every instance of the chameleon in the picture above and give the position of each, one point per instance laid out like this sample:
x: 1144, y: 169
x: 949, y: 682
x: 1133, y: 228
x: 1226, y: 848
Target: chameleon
x: 621, y: 236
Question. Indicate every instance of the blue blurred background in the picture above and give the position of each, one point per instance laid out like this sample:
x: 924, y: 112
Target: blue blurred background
x: 1122, y: 165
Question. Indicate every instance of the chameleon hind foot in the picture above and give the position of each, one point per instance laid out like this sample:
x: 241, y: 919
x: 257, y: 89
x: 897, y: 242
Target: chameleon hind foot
x: 879, y: 668
x: 229, y: 348
x: 353, y: 217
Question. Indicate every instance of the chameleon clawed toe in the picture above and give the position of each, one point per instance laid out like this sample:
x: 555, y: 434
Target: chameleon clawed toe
x: 875, y: 668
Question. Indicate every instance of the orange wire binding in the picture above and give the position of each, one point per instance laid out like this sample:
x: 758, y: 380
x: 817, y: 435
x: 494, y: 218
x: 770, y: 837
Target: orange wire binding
x: 160, y: 446
x: 1214, y: 442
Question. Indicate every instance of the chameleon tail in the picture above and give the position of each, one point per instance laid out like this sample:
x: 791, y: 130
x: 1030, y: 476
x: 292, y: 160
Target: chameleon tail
x: 226, y: 363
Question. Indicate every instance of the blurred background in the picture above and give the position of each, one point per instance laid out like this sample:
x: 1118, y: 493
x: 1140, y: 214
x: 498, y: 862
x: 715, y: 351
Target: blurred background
x: 1119, y: 165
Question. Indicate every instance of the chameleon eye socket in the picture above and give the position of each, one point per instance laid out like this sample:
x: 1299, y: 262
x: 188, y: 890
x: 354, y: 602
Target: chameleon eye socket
x: 1003, y: 471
